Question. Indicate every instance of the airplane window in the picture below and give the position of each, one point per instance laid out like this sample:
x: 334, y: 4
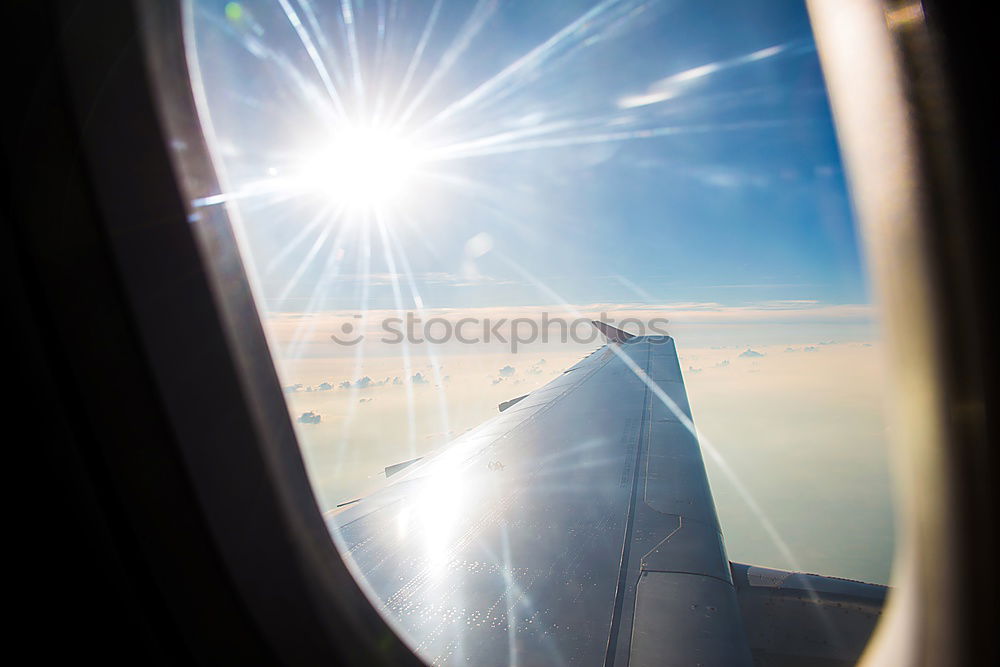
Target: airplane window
x: 571, y: 317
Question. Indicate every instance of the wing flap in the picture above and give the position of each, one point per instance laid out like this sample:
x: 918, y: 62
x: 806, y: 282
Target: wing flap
x: 685, y: 619
x: 793, y: 619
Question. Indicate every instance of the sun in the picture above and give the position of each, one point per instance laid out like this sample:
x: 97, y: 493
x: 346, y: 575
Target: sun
x: 363, y: 167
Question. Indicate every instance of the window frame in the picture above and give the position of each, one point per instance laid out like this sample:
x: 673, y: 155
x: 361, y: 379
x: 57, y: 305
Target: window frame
x: 212, y: 511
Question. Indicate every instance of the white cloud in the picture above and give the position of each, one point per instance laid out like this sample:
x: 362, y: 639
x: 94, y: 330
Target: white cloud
x: 309, y: 418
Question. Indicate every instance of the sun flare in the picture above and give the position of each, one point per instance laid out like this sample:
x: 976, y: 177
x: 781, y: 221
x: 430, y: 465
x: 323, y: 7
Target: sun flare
x: 363, y: 167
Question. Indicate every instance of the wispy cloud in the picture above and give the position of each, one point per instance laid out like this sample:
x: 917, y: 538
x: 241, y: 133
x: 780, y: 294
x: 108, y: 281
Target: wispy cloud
x: 676, y: 84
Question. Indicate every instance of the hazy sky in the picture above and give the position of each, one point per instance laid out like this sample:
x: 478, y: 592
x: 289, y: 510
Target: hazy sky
x: 501, y: 160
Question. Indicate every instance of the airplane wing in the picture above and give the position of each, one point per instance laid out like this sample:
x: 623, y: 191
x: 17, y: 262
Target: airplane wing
x: 578, y: 527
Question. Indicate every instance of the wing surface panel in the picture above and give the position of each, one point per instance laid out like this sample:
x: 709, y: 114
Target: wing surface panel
x: 506, y: 546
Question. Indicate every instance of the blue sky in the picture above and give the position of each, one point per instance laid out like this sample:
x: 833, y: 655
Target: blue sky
x: 686, y: 147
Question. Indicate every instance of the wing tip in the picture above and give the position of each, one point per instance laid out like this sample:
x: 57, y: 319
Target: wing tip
x: 613, y: 334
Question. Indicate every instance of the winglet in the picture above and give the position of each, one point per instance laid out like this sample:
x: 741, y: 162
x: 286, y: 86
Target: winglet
x: 397, y: 467
x: 506, y: 404
x: 612, y: 334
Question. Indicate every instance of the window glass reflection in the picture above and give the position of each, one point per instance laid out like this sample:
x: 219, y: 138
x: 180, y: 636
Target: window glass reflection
x: 434, y: 199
